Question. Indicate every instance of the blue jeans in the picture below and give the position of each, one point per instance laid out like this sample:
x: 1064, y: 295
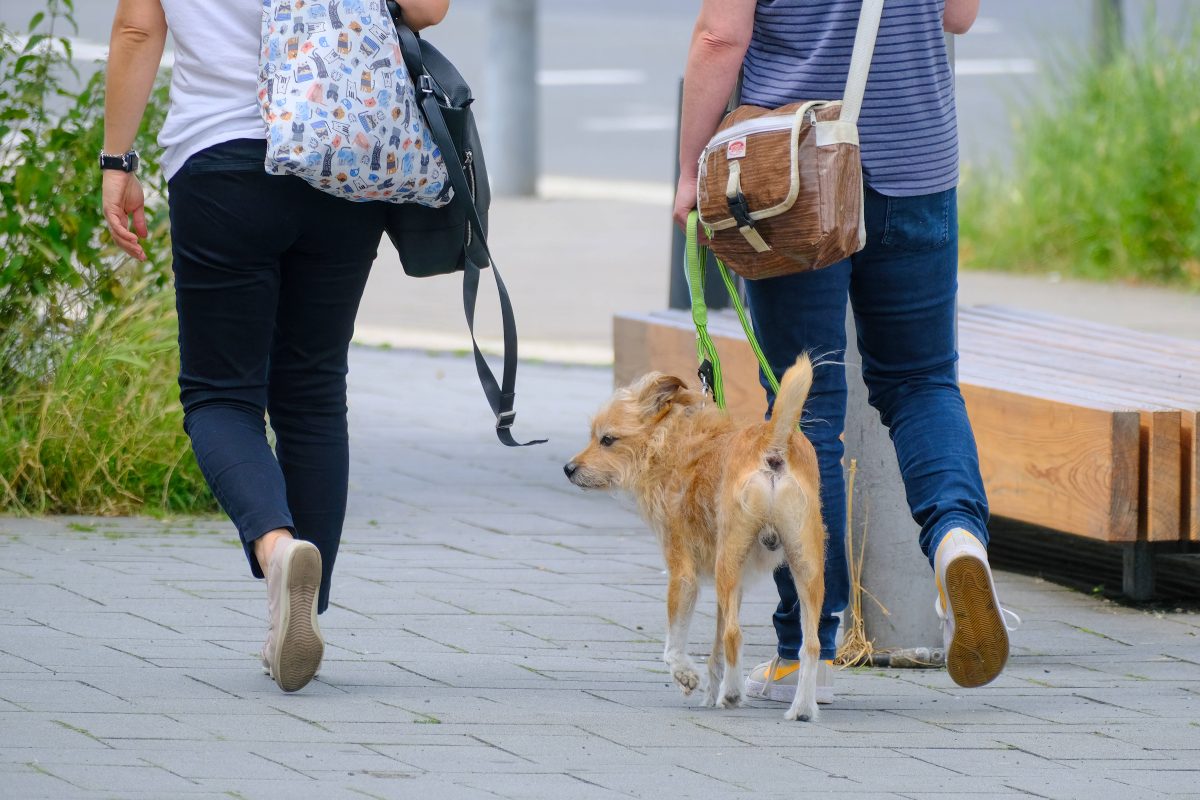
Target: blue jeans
x: 268, y: 276
x: 902, y: 287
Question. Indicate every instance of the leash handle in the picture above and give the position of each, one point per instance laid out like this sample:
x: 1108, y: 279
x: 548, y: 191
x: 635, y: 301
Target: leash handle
x: 696, y: 259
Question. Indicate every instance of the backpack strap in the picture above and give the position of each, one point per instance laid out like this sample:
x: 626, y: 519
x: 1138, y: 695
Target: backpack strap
x: 501, y: 395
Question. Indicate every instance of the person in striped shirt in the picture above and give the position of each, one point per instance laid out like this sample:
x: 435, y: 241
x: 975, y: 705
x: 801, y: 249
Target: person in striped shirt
x: 902, y: 289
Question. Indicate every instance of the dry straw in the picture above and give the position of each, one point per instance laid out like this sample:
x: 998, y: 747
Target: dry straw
x: 857, y: 649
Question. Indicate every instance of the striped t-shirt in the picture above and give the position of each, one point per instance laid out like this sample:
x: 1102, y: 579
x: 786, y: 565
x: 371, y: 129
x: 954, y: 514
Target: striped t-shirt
x: 908, y: 131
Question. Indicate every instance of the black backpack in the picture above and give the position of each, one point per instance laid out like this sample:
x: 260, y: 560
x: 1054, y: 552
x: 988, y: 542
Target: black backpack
x: 439, y: 241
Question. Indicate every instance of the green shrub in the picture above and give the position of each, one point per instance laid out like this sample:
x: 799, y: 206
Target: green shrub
x: 89, y: 412
x: 1105, y: 181
x: 103, y: 433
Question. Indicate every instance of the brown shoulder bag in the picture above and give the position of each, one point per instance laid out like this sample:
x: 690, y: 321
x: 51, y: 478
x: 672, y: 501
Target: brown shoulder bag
x: 781, y: 191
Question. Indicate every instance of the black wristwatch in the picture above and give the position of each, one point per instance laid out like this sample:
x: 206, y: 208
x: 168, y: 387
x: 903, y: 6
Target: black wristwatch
x: 127, y: 162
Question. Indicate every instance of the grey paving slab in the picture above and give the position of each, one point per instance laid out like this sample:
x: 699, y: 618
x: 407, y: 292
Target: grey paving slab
x: 32, y: 782
x: 494, y: 634
x: 1068, y: 786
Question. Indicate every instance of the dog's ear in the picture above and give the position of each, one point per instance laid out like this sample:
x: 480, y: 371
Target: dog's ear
x: 658, y: 392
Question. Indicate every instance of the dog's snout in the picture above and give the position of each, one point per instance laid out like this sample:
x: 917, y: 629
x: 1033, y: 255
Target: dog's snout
x: 570, y: 468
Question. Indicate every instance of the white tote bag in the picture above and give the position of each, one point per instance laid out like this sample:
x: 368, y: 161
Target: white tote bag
x: 340, y: 107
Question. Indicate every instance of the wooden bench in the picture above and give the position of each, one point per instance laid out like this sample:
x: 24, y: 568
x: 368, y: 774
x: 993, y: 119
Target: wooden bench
x: 1083, y: 428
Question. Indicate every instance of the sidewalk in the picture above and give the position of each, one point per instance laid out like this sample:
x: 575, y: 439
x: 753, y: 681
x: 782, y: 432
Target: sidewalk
x: 572, y: 262
x: 498, y: 633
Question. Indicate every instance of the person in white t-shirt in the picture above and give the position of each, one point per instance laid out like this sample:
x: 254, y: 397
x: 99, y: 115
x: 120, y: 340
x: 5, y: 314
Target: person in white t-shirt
x: 269, y: 272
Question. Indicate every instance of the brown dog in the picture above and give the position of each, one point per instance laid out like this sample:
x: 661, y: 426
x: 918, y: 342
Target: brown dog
x: 726, y: 501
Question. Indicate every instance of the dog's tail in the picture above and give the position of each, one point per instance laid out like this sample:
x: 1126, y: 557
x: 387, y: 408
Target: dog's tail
x: 789, y: 403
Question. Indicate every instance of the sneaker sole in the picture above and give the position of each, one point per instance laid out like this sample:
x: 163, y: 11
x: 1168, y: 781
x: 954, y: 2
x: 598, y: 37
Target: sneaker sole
x: 785, y: 694
x: 979, y: 647
x: 300, y: 649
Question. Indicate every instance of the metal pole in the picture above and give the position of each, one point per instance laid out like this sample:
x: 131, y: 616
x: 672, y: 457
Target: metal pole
x: 1108, y: 29
x: 715, y: 296
x: 512, y: 117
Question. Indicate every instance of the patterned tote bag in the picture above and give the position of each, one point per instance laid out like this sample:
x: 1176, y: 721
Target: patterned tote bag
x: 340, y: 107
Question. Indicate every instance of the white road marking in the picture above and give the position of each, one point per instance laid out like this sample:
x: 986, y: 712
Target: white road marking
x: 635, y: 124
x: 562, y: 187
x: 531, y: 349
x: 995, y: 66
x: 591, y: 77
x: 84, y: 50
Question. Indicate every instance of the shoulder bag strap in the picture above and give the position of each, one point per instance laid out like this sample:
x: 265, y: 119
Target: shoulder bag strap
x: 500, y: 395
x: 860, y: 59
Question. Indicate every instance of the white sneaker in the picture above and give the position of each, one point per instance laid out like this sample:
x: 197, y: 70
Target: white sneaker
x: 294, y: 648
x: 776, y: 680
x: 973, y: 627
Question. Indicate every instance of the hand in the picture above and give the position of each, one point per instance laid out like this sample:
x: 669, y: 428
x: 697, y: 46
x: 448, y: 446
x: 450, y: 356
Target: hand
x: 685, y: 202
x: 685, y: 199
x: 122, y: 197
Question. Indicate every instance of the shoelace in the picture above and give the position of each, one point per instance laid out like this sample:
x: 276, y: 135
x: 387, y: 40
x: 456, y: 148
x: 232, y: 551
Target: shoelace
x: 1005, y: 615
x: 770, y: 676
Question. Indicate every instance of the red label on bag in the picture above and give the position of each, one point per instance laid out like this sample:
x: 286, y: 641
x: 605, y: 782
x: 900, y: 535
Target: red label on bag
x: 736, y: 149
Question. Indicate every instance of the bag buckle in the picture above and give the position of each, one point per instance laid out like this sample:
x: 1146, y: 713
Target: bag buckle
x: 426, y: 83
x: 740, y: 208
x: 505, y: 420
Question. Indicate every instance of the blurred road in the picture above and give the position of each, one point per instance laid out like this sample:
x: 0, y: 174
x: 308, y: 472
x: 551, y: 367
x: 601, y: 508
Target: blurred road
x: 610, y: 72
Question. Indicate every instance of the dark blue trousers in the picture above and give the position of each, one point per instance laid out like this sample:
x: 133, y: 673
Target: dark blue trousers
x: 902, y: 288
x: 268, y: 276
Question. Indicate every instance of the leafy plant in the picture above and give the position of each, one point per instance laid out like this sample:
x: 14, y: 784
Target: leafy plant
x: 89, y: 413
x: 58, y: 260
x: 1105, y: 181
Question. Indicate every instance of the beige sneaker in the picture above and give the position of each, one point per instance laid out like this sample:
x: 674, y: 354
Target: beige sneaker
x: 973, y: 627
x: 776, y: 680
x: 294, y: 648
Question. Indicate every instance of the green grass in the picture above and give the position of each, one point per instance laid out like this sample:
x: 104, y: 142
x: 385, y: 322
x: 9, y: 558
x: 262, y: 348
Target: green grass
x: 1105, y: 181
x: 94, y: 426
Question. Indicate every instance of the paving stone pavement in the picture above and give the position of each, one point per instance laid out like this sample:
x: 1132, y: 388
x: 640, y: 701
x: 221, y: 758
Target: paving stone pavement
x: 498, y: 633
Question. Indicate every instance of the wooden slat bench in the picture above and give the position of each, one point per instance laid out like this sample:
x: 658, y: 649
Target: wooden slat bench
x: 1157, y: 375
x: 1083, y: 428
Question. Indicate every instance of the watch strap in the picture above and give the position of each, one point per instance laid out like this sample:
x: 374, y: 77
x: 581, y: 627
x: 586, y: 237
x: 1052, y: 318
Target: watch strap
x: 125, y: 162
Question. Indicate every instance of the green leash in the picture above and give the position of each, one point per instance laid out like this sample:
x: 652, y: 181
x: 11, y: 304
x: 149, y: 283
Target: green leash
x: 706, y: 351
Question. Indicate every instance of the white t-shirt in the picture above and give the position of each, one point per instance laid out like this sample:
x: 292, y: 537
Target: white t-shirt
x: 214, y: 88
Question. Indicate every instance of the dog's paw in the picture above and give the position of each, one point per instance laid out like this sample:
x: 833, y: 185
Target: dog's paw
x: 687, y: 678
x: 710, y: 695
x: 730, y: 698
x: 802, y: 713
